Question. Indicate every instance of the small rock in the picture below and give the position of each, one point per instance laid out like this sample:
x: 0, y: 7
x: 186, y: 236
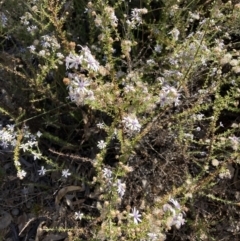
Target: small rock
x: 15, y: 212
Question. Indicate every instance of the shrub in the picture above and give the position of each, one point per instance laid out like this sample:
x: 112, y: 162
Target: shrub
x: 138, y: 101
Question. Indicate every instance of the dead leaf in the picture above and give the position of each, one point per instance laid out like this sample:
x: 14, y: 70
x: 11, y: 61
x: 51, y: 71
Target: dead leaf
x: 69, y: 202
x: 62, y: 192
x: 5, y: 219
x: 22, y: 220
x: 40, y: 231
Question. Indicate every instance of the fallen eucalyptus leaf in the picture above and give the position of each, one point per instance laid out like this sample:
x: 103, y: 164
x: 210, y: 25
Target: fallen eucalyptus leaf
x: 40, y: 231
x: 69, y: 201
x: 62, y: 192
x: 5, y: 219
x: 21, y: 221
